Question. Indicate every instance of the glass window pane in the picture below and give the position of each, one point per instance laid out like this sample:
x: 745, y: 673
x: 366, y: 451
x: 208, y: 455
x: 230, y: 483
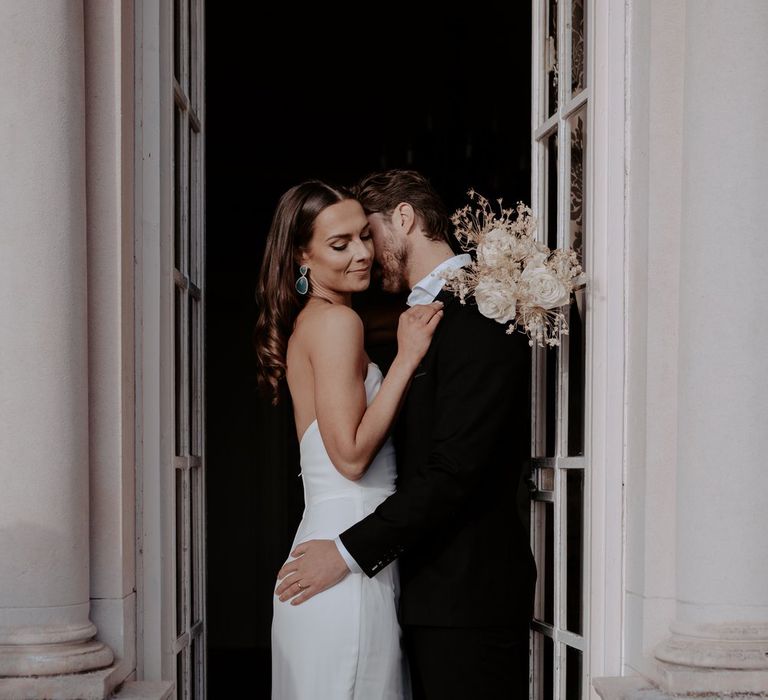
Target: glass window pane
x: 576, y: 329
x: 180, y: 549
x: 577, y: 128
x: 191, y: 204
x: 191, y: 369
x: 539, y: 404
x: 178, y: 360
x: 551, y: 57
x: 544, y: 551
x: 578, y: 46
x: 549, y: 563
x: 192, y: 52
x: 195, y: 525
x: 196, y: 191
x: 576, y: 375
x: 191, y: 539
x: 572, y: 674
x: 574, y: 533
x: 177, y: 39
x: 550, y: 398
x: 195, y: 385
x: 177, y: 191
x: 537, y: 665
x: 551, y: 191
x: 548, y: 362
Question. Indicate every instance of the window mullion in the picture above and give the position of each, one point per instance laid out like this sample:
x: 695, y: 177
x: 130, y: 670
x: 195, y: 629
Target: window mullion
x: 561, y: 412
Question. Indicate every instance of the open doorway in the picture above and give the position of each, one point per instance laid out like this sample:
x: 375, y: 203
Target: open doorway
x: 448, y: 95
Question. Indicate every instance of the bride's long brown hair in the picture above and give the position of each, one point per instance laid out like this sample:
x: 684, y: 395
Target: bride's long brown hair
x: 278, y: 301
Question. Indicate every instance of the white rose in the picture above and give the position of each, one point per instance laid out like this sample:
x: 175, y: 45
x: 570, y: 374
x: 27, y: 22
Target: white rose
x: 495, y: 302
x: 494, y: 247
x: 546, y: 289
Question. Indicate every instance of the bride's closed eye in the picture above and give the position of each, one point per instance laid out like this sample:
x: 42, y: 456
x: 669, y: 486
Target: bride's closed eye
x: 363, y: 237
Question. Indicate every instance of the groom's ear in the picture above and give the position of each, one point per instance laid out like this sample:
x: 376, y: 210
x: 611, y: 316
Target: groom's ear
x: 404, y: 217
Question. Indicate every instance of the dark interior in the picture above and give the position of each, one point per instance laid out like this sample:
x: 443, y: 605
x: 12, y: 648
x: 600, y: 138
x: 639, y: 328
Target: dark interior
x: 295, y: 93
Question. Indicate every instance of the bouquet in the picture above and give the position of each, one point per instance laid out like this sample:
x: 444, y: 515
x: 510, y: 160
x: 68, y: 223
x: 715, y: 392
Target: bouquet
x: 514, y: 278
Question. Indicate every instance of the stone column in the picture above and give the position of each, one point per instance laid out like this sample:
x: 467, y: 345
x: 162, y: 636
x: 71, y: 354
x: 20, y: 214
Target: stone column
x: 719, y: 641
x: 44, y: 515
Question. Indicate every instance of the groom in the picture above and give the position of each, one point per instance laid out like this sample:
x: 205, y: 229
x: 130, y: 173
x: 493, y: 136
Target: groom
x: 466, y: 568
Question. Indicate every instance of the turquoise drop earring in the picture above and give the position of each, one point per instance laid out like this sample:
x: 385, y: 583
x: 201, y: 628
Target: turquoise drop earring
x: 302, y: 284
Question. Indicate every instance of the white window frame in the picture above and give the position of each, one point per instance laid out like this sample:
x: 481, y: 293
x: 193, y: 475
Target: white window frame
x: 188, y: 91
x: 604, y: 245
x: 154, y: 342
x: 154, y: 338
x: 607, y: 356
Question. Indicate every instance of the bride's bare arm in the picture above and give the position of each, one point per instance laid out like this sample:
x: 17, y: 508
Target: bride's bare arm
x: 353, y: 433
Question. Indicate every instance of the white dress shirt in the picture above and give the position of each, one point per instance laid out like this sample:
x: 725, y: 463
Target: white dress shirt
x: 426, y: 289
x: 423, y: 292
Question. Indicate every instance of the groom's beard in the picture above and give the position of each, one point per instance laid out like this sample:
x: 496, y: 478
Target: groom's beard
x: 392, y: 267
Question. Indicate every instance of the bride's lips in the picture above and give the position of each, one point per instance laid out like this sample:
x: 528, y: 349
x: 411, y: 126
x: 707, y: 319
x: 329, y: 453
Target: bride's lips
x: 367, y: 269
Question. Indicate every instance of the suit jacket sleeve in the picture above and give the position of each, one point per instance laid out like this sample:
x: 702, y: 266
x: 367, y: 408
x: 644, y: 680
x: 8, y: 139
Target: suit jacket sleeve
x: 473, y: 414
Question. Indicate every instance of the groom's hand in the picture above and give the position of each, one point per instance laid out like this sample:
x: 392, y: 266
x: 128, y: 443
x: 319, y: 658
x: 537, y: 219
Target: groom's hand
x: 318, y: 566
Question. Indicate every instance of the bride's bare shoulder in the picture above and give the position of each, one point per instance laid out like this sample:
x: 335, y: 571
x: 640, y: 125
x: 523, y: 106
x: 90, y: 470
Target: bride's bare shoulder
x: 328, y: 324
x: 335, y: 317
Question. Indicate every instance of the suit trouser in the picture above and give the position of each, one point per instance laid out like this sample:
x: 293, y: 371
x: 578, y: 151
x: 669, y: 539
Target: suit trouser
x: 458, y: 663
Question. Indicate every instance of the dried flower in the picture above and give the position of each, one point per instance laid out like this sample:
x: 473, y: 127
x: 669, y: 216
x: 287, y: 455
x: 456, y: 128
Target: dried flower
x: 513, y: 278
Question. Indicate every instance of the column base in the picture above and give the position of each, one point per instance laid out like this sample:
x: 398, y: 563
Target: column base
x: 714, y: 658
x: 95, y: 685
x: 624, y: 688
x: 688, y: 680
x: 737, y: 647
x: 53, y: 659
x: 638, y: 688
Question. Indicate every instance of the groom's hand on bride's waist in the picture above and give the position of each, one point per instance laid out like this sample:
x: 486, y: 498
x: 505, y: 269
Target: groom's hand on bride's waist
x: 317, y: 566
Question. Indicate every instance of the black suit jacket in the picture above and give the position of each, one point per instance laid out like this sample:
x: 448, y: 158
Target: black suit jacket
x: 462, y: 439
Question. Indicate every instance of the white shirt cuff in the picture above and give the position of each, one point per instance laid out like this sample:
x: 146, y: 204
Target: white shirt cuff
x: 354, y: 567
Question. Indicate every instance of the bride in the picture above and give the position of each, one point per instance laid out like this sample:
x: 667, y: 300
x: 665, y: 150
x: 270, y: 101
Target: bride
x: 343, y: 643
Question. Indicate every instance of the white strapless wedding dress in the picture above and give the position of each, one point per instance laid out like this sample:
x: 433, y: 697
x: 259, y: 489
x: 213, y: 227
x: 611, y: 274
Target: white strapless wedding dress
x: 343, y: 643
